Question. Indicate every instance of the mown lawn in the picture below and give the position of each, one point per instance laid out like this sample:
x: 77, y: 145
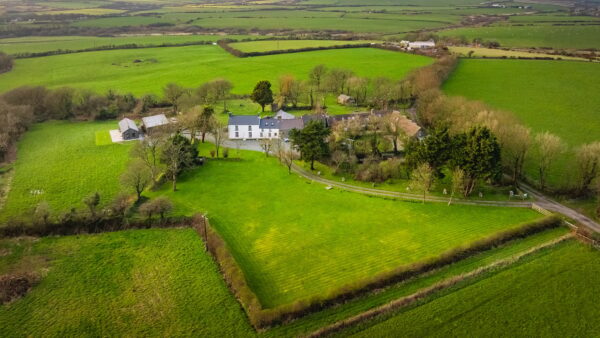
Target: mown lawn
x: 295, y: 240
x: 556, y: 96
x: 193, y: 65
x: 155, y: 282
x: 553, y: 294
x: 269, y: 45
x: 60, y: 163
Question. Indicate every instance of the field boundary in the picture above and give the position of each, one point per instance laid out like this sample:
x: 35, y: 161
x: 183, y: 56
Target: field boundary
x: 238, y: 53
x: 262, y: 318
x: 425, y: 292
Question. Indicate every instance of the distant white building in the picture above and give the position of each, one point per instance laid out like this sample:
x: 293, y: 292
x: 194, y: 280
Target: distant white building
x: 345, y: 99
x: 421, y: 44
x: 252, y: 127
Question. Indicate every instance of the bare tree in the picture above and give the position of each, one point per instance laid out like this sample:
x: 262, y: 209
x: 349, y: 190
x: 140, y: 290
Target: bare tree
x: 120, y: 205
x: 137, y: 177
x: 393, y: 128
x: 588, y: 162
x: 458, y: 182
x: 549, y: 147
x: 219, y: 134
x: 173, y: 94
x: 148, y: 151
x: 160, y: 205
x: 266, y: 145
x: 423, y: 179
x: 515, y: 146
x: 287, y: 157
x: 177, y: 154
x: 317, y: 75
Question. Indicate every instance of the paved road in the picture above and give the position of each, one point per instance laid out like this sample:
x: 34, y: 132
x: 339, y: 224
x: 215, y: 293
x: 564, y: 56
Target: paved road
x: 549, y: 204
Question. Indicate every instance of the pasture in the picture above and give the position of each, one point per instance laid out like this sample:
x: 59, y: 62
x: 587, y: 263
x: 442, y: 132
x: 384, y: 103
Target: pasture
x: 556, y: 96
x: 142, y: 71
x: 39, y: 44
x: 540, y: 35
x: 60, y: 163
x: 547, y: 294
x: 296, y: 240
x: 269, y: 45
x: 111, y: 285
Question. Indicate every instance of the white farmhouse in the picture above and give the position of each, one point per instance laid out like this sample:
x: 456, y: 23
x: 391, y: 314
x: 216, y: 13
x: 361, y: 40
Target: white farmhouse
x: 241, y: 127
x: 421, y: 44
x: 269, y: 128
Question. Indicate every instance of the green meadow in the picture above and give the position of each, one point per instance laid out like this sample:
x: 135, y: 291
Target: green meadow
x: 152, y: 282
x: 550, y: 294
x: 296, y: 240
x: 190, y: 66
x: 61, y: 163
x: 556, y: 96
x: 38, y: 44
x: 269, y: 45
x: 537, y: 35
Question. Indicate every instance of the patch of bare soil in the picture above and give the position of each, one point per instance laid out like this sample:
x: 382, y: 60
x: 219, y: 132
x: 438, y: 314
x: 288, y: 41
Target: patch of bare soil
x: 13, y: 287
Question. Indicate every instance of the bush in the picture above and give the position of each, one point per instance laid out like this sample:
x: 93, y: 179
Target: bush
x: 225, y: 152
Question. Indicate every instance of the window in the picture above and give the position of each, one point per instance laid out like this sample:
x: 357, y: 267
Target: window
x: 236, y: 128
x: 250, y: 134
x: 261, y: 134
x: 237, y: 134
x: 249, y: 128
x: 275, y: 134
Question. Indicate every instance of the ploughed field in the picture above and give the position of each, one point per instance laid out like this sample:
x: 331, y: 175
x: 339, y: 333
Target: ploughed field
x: 556, y: 96
x: 296, y: 240
x: 549, y: 294
x: 142, y: 71
x: 128, y: 283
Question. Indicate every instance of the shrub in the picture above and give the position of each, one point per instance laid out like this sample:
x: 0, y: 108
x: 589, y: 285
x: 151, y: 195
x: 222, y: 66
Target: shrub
x: 225, y: 152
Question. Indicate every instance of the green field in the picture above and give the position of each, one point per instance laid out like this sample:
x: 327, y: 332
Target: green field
x: 193, y: 65
x: 295, y: 240
x: 38, y: 44
x: 60, y: 163
x: 154, y: 282
x: 541, y: 35
x: 269, y: 45
x: 556, y: 96
x: 551, y: 294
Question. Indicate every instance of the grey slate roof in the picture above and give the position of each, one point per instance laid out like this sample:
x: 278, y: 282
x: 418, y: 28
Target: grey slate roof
x: 269, y: 123
x: 126, y: 124
x: 252, y: 120
x: 291, y: 124
x: 155, y: 121
x: 284, y: 115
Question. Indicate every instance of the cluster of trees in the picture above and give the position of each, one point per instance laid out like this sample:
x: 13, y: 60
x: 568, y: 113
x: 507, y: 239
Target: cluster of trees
x: 22, y: 106
x: 6, y: 62
x: 208, y: 93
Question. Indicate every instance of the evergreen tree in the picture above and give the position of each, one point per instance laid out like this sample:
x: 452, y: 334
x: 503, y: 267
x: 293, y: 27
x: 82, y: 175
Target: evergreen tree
x: 262, y: 94
x: 311, y: 141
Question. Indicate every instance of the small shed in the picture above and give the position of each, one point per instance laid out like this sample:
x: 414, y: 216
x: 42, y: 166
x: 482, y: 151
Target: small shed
x: 345, y: 99
x: 129, y: 130
x: 282, y: 115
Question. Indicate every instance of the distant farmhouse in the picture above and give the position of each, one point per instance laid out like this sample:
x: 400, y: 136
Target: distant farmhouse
x: 128, y: 129
x: 253, y: 127
x: 345, y: 100
x: 417, y: 44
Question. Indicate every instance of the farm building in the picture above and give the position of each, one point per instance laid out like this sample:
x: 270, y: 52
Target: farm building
x: 345, y: 99
x: 282, y: 115
x: 421, y: 44
x: 253, y: 127
x: 128, y: 129
x: 151, y: 122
